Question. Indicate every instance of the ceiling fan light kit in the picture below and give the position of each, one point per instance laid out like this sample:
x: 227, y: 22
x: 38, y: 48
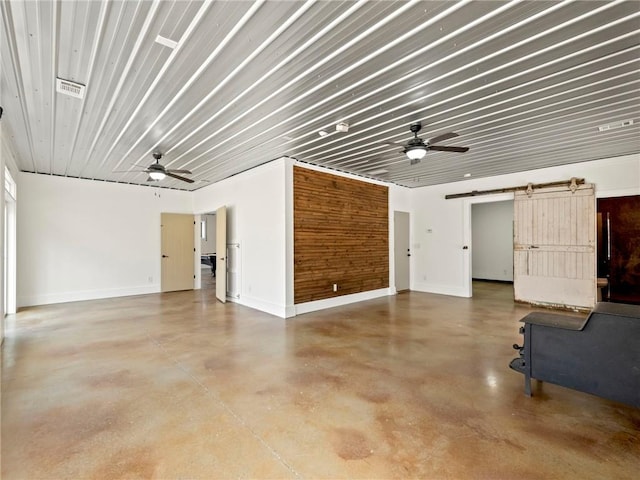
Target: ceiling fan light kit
x: 157, y: 175
x: 416, y: 152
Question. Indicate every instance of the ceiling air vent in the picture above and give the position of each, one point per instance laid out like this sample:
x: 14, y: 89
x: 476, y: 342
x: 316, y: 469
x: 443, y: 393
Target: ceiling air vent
x: 611, y: 126
x: 70, y: 88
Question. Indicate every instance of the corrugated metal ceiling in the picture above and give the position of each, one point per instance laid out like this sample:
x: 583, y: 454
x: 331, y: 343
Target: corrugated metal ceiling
x: 524, y: 84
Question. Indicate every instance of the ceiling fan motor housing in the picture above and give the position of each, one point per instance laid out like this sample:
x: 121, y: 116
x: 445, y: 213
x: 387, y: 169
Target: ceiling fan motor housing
x: 415, y: 144
x: 156, y: 167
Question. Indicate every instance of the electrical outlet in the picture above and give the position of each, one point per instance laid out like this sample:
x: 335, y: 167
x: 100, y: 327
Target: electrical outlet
x: 335, y: 287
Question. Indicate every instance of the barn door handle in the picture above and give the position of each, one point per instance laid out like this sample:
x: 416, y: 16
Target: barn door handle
x: 165, y: 256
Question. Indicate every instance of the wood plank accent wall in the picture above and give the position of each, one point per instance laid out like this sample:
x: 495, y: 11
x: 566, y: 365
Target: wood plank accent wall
x: 341, y: 235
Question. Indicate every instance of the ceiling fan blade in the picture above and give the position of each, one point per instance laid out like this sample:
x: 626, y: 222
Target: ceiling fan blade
x: 184, y: 179
x: 442, y: 138
x: 188, y: 172
x: 392, y: 144
x: 442, y: 148
x: 127, y: 171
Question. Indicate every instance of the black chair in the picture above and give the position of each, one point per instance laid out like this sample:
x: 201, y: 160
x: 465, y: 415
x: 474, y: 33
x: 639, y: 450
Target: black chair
x: 212, y: 259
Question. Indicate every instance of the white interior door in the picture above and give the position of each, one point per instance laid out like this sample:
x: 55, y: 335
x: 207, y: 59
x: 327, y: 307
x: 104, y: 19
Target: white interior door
x: 177, y: 245
x: 221, y: 254
x: 402, y: 250
x: 554, y: 247
x: 233, y: 270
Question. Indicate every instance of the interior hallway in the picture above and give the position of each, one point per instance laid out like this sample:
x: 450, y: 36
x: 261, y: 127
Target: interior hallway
x: 177, y: 385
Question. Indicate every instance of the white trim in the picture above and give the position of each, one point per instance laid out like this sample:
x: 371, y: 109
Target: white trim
x: 258, y: 304
x: 339, y: 173
x: 451, y: 290
x: 289, y: 237
x: 617, y: 193
x: 342, y: 300
x: 78, y: 296
x: 197, y: 252
x: 9, y: 234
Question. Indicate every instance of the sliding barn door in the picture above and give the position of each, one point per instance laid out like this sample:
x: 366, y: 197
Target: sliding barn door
x: 554, y: 247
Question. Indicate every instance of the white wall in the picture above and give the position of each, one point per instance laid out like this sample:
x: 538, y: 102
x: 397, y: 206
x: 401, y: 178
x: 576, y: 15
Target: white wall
x: 492, y: 241
x: 82, y: 239
x: 439, y: 226
x: 255, y: 202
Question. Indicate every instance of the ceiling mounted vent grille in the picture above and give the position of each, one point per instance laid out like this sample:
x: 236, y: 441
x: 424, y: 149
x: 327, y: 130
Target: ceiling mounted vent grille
x: 611, y: 126
x: 70, y: 88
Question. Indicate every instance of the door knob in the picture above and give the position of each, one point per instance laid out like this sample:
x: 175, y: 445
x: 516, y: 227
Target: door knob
x: 465, y: 247
x: 165, y: 256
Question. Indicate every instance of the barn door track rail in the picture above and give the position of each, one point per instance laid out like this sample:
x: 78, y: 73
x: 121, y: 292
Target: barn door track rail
x: 529, y: 188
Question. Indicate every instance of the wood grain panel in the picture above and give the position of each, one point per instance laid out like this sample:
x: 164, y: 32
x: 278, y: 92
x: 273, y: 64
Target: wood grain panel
x: 341, y: 235
x: 620, y: 237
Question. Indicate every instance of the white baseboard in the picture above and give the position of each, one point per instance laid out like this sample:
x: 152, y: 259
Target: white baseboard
x: 454, y: 291
x: 258, y: 304
x: 342, y: 300
x: 78, y: 296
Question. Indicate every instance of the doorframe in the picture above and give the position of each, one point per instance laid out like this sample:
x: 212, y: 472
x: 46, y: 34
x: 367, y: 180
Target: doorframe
x: 467, y: 235
x: 9, y: 283
x: 198, y: 248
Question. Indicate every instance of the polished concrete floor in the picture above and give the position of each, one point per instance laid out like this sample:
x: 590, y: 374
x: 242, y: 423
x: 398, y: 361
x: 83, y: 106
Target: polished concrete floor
x: 176, y: 385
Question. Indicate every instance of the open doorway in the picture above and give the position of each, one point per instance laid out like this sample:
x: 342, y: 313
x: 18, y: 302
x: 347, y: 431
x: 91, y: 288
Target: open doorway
x: 214, y: 267
x: 208, y: 252
x: 492, y: 240
x: 488, y: 259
